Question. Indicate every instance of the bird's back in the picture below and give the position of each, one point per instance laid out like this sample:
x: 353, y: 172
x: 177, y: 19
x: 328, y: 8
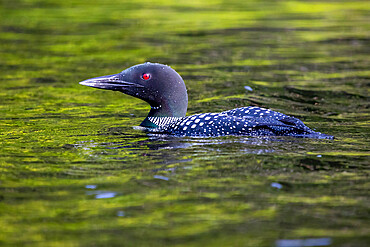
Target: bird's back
x: 249, y: 121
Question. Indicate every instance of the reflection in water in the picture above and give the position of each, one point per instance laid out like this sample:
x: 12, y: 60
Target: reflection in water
x: 241, y: 145
x: 210, y: 143
x: 130, y: 150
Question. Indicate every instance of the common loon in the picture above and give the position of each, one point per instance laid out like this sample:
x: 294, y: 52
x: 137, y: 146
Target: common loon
x: 165, y: 91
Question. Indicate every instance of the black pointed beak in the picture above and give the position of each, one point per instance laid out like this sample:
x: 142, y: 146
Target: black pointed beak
x: 109, y: 82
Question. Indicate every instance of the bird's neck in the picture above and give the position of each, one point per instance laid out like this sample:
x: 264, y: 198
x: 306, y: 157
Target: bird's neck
x: 164, y: 113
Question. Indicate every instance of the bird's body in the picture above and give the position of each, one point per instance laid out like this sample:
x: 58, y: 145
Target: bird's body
x: 164, y: 89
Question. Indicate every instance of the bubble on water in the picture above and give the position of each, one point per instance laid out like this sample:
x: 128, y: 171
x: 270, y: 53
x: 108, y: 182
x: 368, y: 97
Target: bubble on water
x: 121, y: 213
x: 105, y: 195
x: 303, y: 242
x: 248, y: 88
x: 276, y: 185
x: 91, y: 186
x: 161, y: 177
x: 101, y: 194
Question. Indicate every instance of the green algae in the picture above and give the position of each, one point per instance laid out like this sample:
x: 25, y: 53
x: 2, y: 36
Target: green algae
x: 73, y: 171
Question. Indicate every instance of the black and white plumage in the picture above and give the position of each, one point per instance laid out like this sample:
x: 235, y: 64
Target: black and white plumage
x: 165, y: 91
x: 250, y: 121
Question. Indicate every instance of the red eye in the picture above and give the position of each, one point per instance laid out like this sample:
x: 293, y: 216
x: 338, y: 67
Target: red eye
x: 146, y: 76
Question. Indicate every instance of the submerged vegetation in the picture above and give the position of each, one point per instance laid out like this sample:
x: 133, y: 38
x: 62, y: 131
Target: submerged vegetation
x: 73, y: 171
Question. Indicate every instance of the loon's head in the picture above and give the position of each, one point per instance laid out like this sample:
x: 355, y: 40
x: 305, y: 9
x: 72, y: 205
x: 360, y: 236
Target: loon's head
x: 158, y: 84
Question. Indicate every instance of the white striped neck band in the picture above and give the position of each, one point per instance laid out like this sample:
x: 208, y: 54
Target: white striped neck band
x: 163, y: 121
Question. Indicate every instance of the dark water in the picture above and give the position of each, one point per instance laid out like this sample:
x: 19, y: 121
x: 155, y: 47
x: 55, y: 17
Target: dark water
x: 73, y: 171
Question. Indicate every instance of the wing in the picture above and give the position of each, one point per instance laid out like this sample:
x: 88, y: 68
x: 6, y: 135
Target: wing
x: 216, y: 124
x: 267, y: 115
x: 248, y: 121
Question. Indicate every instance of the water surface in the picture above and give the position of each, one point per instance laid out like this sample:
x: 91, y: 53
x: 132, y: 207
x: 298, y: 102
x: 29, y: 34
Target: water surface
x: 74, y: 171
